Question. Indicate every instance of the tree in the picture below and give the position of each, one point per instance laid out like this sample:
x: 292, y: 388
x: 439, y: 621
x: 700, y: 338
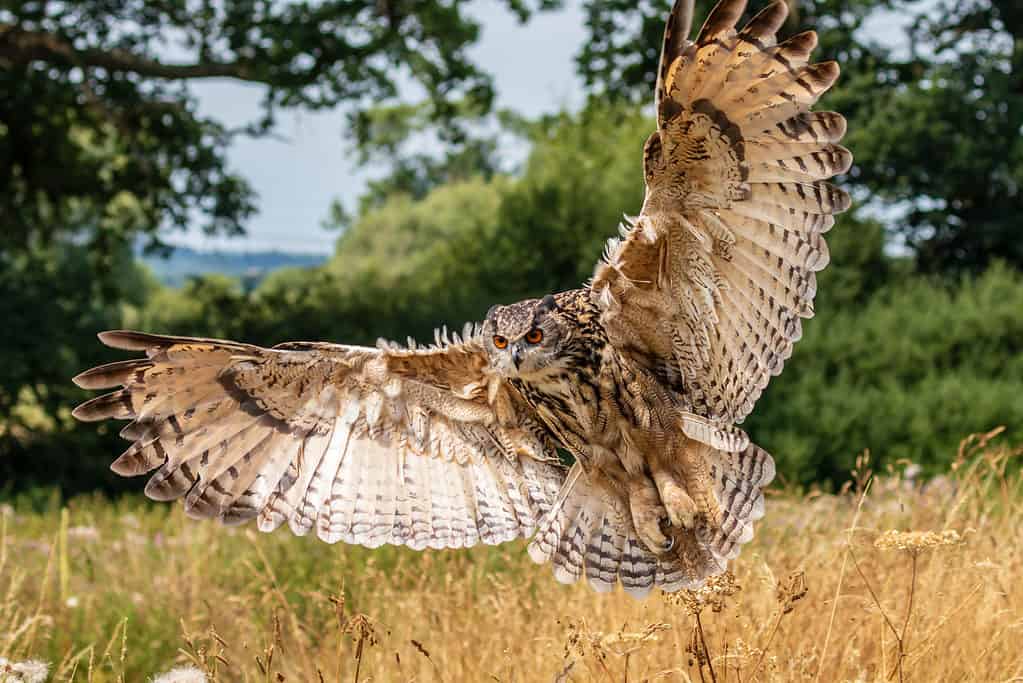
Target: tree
x: 942, y: 134
x: 94, y: 110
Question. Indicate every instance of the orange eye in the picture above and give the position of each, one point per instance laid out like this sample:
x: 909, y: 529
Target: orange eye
x: 534, y: 336
x: 500, y: 342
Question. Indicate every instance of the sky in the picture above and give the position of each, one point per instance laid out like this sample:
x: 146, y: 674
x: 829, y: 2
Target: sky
x: 298, y: 175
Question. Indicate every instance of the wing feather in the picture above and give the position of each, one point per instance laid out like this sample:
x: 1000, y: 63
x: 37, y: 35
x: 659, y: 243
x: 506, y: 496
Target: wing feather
x: 364, y: 445
x: 722, y: 259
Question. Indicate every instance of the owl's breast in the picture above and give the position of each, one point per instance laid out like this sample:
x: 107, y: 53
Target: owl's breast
x: 567, y: 404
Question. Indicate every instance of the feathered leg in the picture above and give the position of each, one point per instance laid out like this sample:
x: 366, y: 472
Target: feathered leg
x: 681, y: 508
x: 648, y: 513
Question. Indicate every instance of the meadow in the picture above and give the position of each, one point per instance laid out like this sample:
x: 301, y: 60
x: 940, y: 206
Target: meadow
x: 891, y: 578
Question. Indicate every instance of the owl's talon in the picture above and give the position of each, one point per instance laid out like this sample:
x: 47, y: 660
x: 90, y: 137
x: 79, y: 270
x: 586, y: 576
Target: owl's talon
x: 681, y: 508
x: 648, y: 515
x: 667, y: 531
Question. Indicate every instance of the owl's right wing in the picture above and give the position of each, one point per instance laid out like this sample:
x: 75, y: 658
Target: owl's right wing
x: 407, y: 446
x: 708, y: 286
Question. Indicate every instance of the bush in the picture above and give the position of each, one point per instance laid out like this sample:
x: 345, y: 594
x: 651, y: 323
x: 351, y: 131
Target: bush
x: 907, y: 375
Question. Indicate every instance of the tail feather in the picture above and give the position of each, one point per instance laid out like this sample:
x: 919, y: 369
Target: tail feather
x: 588, y: 531
x: 605, y: 549
x: 739, y: 480
x: 638, y: 569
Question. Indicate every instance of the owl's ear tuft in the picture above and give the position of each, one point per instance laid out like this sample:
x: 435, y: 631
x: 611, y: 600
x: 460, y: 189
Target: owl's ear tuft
x: 547, y: 304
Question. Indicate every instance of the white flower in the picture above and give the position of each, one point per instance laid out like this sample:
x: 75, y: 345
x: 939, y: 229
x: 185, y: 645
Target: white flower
x: 181, y: 674
x: 29, y: 671
x: 72, y: 602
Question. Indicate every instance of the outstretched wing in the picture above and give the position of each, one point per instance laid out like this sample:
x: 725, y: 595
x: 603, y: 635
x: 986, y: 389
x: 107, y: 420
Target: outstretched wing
x: 708, y: 286
x: 416, y: 447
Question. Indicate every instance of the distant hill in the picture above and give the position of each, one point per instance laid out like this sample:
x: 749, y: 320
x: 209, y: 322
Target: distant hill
x: 252, y: 266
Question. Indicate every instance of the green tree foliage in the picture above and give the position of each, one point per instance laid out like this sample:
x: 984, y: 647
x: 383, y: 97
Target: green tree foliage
x: 95, y: 107
x: 942, y: 134
x: 908, y: 374
x: 52, y: 307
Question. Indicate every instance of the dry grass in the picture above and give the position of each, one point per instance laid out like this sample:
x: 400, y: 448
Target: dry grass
x: 123, y: 591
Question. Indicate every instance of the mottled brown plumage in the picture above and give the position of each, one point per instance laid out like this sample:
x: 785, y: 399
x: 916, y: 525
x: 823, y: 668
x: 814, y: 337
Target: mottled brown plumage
x: 641, y: 377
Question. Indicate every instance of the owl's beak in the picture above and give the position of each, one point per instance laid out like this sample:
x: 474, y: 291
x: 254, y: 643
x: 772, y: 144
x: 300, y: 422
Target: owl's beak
x: 516, y: 355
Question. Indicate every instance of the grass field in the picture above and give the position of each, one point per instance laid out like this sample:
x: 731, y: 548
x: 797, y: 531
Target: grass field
x: 121, y: 591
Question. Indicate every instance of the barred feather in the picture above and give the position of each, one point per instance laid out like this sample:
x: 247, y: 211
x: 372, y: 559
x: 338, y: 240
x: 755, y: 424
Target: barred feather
x: 361, y: 444
x: 736, y: 205
x: 739, y: 480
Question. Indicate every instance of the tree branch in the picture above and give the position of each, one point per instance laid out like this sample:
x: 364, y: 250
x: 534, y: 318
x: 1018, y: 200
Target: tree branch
x: 20, y: 46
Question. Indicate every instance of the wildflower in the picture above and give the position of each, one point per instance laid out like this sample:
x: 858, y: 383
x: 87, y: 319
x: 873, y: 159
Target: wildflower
x: 29, y: 671
x: 72, y: 601
x: 915, y: 542
x: 181, y: 674
x: 792, y: 591
x: 711, y: 594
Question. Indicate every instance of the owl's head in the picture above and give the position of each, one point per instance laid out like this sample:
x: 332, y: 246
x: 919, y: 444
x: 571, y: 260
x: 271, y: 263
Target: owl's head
x: 526, y: 338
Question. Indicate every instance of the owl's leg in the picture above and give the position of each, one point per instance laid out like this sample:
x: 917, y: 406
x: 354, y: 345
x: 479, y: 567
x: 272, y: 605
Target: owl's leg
x: 648, y: 514
x: 680, y: 506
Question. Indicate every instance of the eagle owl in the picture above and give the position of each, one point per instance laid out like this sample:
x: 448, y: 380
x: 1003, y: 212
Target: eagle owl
x: 641, y: 376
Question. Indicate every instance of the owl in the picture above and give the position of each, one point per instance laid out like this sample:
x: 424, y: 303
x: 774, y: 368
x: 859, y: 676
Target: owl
x: 600, y: 422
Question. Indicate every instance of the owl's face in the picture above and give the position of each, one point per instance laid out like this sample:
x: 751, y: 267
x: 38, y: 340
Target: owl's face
x: 525, y: 339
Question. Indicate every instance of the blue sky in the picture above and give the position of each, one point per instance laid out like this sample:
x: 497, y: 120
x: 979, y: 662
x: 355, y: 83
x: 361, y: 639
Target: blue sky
x: 297, y: 177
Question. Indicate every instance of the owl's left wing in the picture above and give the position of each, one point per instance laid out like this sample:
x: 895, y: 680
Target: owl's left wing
x: 708, y: 286
x: 407, y: 446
